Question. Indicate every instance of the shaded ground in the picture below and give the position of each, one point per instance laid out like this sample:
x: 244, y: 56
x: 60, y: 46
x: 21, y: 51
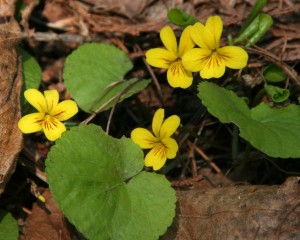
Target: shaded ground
x: 52, y: 29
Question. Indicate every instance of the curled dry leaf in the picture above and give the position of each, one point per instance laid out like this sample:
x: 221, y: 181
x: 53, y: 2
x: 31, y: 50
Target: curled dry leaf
x: 240, y: 212
x: 10, y: 87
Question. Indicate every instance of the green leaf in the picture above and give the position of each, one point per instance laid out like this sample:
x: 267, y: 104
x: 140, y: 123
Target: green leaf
x: 255, y: 10
x: 273, y: 73
x: 265, y: 22
x: 248, y: 31
x: 97, y: 181
x: 274, y: 131
x: 94, y: 75
x: 278, y: 130
x: 32, y: 74
x: 276, y: 93
x: 255, y: 30
x: 9, y: 229
x: 180, y: 18
x: 211, y: 94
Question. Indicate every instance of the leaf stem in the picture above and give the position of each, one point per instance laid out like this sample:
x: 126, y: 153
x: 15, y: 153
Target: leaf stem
x: 104, y: 105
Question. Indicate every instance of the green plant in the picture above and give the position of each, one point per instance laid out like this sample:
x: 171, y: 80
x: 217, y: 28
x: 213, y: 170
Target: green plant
x: 98, y: 181
x: 8, y: 226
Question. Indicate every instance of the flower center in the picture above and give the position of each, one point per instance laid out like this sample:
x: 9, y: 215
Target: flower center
x: 214, y: 53
x: 177, y: 68
x: 160, y: 150
x: 49, y: 122
x: 214, y: 59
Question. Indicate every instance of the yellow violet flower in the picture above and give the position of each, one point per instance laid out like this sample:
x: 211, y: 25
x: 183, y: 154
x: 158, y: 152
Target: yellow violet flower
x: 50, y: 113
x: 211, y: 59
x: 160, y: 142
x: 170, y: 57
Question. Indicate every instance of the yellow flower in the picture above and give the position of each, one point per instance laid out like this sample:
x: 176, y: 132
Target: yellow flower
x: 170, y: 58
x: 50, y: 113
x: 211, y: 60
x: 161, y: 144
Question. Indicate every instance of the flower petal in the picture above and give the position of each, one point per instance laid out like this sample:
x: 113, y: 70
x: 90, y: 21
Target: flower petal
x: 168, y: 38
x: 214, y: 26
x: 157, y: 121
x: 197, y: 34
x: 156, y: 157
x: 52, y: 98
x: 53, y: 128
x: 214, y: 67
x: 143, y: 138
x: 160, y: 58
x: 234, y: 57
x: 208, y: 36
x: 185, y: 43
x: 194, y: 59
x: 201, y: 36
x: 169, y: 126
x: 171, y: 146
x: 36, y: 99
x: 178, y: 77
x: 64, y: 110
x: 31, y: 123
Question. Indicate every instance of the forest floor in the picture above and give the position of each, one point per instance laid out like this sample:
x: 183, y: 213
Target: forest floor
x: 52, y: 29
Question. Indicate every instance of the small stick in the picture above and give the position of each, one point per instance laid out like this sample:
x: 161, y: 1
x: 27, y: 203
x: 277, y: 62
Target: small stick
x: 205, y: 157
x: 193, y: 162
x: 103, y: 106
x: 286, y: 68
x: 156, y: 83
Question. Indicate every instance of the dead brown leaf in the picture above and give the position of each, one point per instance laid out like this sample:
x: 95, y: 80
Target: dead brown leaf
x: 128, y: 8
x: 46, y: 222
x: 241, y: 212
x: 10, y: 87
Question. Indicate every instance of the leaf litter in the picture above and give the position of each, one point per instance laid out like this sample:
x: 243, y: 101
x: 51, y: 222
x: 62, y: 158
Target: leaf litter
x: 209, y: 204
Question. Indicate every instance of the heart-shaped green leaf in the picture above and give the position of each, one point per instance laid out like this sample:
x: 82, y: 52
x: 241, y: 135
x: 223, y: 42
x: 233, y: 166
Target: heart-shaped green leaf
x: 181, y: 18
x: 97, y: 181
x: 32, y: 74
x: 273, y: 73
x: 274, y: 131
x: 94, y: 76
x: 9, y: 229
